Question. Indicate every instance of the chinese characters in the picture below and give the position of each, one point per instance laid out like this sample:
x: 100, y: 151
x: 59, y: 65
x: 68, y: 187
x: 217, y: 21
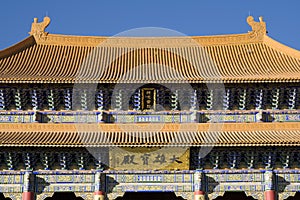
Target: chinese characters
x: 146, y: 159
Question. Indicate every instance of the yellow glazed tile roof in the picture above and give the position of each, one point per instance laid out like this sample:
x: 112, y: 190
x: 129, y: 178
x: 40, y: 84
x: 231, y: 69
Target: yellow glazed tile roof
x: 52, y: 58
x: 133, y: 135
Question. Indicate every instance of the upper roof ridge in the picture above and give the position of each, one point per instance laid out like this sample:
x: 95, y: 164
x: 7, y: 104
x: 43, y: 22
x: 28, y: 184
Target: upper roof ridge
x: 256, y: 35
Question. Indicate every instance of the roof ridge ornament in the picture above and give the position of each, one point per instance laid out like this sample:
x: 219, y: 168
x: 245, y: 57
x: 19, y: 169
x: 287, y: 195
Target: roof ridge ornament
x: 259, y: 28
x: 38, y: 28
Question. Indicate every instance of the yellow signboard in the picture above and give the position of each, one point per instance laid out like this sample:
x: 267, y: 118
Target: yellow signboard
x: 143, y: 158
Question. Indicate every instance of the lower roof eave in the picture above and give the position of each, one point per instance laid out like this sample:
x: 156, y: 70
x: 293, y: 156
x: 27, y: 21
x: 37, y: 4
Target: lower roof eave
x: 152, y: 145
x: 204, y: 81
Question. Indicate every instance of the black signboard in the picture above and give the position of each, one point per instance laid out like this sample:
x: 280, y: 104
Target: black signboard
x: 148, y: 98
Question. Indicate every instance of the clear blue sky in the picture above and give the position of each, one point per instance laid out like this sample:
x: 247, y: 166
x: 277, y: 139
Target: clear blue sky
x: 110, y: 17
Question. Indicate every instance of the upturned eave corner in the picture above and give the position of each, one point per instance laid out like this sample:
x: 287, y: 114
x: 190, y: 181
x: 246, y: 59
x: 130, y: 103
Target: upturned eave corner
x: 260, y: 33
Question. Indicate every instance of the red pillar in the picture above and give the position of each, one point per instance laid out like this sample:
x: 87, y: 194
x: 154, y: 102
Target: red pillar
x: 98, y: 195
x: 199, y: 195
x: 28, y: 196
x: 270, y: 195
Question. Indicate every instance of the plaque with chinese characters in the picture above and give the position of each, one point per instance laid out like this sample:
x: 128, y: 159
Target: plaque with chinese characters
x: 148, y: 98
x: 142, y: 158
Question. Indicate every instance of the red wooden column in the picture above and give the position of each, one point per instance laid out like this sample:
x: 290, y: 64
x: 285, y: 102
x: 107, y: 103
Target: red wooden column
x: 98, y: 194
x: 199, y: 194
x: 270, y: 193
x: 28, y: 194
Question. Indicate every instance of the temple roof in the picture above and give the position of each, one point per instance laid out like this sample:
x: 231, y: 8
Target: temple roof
x: 52, y: 58
x: 144, y: 135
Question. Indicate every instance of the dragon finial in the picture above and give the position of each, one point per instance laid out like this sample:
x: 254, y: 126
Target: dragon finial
x: 38, y: 28
x: 258, y: 27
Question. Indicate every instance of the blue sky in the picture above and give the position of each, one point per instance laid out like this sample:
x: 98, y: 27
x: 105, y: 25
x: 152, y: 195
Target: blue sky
x: 110, y: 17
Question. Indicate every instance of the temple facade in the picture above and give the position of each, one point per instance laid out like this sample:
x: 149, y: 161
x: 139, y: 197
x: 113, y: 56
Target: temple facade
x: 201, y: 117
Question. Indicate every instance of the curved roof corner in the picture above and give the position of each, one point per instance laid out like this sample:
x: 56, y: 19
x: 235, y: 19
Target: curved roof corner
x: 18, y: 47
